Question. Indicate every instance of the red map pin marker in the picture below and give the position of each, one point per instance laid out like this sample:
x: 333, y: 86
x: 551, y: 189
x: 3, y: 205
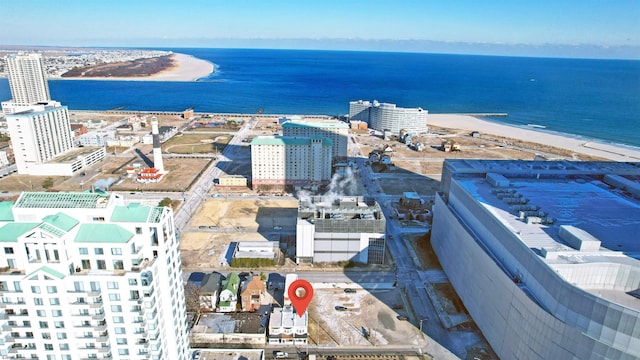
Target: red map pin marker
x: 300, y: 294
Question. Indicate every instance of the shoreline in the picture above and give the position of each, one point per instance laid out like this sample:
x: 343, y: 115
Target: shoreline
x: 591, y: 147
x: 186, y: 68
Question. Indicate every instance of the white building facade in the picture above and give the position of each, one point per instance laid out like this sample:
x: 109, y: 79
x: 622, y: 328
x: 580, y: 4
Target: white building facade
x: 335, y: 130
x: 280, y: 161
x: 85, y: 276
x: 27, y: 79
x: 384, y: 116
x: 39, y: 135
x: 543, y: 254
x: 349, y: 228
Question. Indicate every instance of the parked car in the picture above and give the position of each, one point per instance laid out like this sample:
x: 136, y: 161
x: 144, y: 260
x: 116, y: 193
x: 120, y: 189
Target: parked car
x: 280, y: 355
x: 196, y: 355
x: 403, y: 318
x: 202, y: 227
x: 341, y: 308
x: 350, y: 290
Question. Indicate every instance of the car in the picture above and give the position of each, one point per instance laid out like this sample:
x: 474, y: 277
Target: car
x: 350, y: 290
x: 202, y: 227
x: 340, y: 308
x: 196, y: 355
x: 403, y: 318
x: 213, y: 227
x: 280, y: 355
x: 277, y: 227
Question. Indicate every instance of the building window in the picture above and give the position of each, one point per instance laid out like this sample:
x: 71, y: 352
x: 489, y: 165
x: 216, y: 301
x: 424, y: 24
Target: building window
x: 44, y: 325
x: 35, y: 289
x: 118, y: 265
x: 37, y: 301
x: 119, y: 330
x: 112, y: 285
x: 138, y: 230
x: 48, y: 346
x: 8, y: 250
x: 54, y: 301
x: 52, y: 289
x: 118, y: 319
x: 98, y: 251
x: 56, y: 313
x: 62, y: 336
x: 101, y: 264
x: 84, y: 251
x: 59, y: 324
x: 114, y: 297
x: 116, y: 308
x: 121, y: 341
x: 41, y: 313
x: 116, y: 251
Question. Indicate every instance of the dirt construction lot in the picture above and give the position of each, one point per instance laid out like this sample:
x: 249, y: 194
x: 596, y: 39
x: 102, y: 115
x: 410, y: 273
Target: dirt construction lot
x: 233, y: 220
x: 373, y: 312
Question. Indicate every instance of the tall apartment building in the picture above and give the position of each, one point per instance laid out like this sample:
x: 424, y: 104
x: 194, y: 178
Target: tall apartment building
x: 544, y: 254
x: 384, y: 116
x: 348, y: 228
x: 281, y: 161
x: 39, y: 127
x: 335, y: 130
x: 39, y: 135
x: 84, y: 276
x: 27, y: 79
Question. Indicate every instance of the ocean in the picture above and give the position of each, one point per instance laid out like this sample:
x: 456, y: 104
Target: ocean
x: 594, y: 99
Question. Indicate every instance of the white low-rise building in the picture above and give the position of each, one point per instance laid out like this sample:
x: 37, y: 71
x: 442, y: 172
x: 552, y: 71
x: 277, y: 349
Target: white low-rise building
x: 287, y: 327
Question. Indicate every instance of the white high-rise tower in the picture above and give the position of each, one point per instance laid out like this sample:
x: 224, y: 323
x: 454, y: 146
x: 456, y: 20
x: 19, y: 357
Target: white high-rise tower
x: 27, y: 79
x: 39, y: 127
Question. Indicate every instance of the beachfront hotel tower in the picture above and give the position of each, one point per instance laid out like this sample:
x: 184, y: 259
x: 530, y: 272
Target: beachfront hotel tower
x: 40, y: 131
x: 84, y: 276
x: 27, y: 79
x: 544, y: 254
x: 389, y: 117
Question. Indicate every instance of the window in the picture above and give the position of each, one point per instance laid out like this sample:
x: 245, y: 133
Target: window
x: 48, y: 346
x: 133, y: 282
x: 95, y: 286
x: 118, y: 319
x: 119, y: 330
x: 56, y: 313
x: 43, y: 324
x: 8, y: 250
x: 83, y: 251
x: 37, y: 301
x: 35, y: 289
x: 59, y: 324
x: 98, y: 251
x: 41, y: 313
x: 116, y: 251
x: 62, y: 336
x: 114, y: 297
x: 52, y: 289
x: 54, y: 301
x: 138, y: 230
x: 118, y: 265
x: 64, y: 346
x: 116, y: 308
x: 123, y: 352
x: 112, y: 285
x: 102, y: 265
x: 121, y: 341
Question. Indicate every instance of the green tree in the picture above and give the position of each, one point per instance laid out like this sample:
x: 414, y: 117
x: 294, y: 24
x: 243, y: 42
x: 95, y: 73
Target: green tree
x: 165, y: 202
x: 47, y: 183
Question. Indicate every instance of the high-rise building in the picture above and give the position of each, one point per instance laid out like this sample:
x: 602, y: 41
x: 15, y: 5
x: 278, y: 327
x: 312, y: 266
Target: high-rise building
x: 39, y: 135
x: 335, y: 130
x: 389, y: 117
x: 281, y: 161
x: 38, y: 126
x: 544, y: 254
x: 27, y: 79
x: 84, y: 276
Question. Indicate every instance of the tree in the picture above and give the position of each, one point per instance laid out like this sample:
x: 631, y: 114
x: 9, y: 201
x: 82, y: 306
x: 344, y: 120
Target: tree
x: 47, y: 183
x: 165, y: 202
x: 192, y: 293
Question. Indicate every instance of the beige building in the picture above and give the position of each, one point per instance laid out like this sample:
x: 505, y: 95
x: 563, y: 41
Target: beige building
x: 281, y: 161
x: 335, y: 130
x: 232, y: 181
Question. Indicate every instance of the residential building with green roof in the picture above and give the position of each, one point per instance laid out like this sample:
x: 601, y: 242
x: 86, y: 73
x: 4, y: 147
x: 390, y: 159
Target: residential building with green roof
x: 84, y: 274
x: 337, y: 131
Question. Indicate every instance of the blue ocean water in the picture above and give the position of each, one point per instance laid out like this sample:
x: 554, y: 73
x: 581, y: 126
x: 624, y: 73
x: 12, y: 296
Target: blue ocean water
x: 597, y: 99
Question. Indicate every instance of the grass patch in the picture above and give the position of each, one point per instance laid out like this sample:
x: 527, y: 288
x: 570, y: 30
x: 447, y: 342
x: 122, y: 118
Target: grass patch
x: 196, y: 144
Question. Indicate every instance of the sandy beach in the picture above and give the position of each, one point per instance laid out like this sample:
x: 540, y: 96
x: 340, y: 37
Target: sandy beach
x: 187, y: 68
x: 593, y: 148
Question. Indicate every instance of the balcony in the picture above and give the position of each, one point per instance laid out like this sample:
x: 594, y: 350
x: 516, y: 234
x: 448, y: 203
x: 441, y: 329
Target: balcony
x: 99, y: 316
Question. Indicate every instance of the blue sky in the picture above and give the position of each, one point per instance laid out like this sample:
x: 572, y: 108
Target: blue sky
x: 606, y: 26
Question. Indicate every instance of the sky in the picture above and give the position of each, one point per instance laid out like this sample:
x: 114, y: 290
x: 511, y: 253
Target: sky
x: 599, y: 28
